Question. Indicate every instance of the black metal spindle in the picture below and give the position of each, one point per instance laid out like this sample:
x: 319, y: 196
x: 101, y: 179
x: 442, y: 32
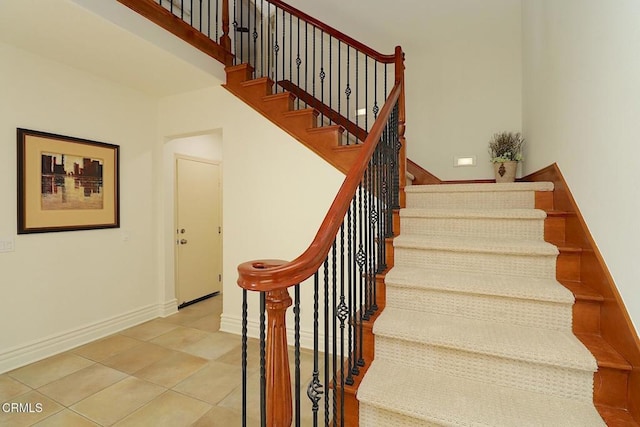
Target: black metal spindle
x: 361, y: 259
x: 254, y: 35
x: 284, y: 50
x: 276, y: 48
x: 347, y: 92
x: 263, y: 378
x: 296, y: 346
x: 350, y: 295
x: 330, y: 70
x: 217, y: 19
x: 322, y: 74
x: 209, y: 18
x: 235, y: 32
x: 343, y: 313
x: 357, y: 93
x: 314, y: 391
x: 244, y: 357
x: 334, y: 329
x: 298, y: 61
x: 326, y: 340
x: 199, y: 16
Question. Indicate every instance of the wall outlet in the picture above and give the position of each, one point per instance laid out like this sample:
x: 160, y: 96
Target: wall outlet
x: 7, y: 244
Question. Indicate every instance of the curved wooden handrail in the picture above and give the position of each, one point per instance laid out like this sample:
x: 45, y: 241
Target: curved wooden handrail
x: 269, y: 275
x: 387, y: 59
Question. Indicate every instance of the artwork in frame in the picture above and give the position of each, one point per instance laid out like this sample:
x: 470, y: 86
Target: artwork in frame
x: 66, y: 183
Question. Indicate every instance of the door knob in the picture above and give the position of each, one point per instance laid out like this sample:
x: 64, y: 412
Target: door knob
x: 183, y: 241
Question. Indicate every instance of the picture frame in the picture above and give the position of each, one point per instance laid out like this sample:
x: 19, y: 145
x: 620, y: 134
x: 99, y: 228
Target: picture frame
x: 66, y: 183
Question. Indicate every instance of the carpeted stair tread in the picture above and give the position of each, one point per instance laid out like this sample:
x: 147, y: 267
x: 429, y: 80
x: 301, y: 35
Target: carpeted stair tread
x: 473, y: 213
x: 431, y: 398
x: 530, y: 288
x: 535, y: 345
x: 466, y: 244
x: 484, y: 187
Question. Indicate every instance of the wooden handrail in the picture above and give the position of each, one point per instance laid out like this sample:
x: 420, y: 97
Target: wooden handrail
x: 270, y: 275
x: 388, y: 59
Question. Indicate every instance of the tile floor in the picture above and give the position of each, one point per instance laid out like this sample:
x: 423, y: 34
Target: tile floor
x: 174, y: 371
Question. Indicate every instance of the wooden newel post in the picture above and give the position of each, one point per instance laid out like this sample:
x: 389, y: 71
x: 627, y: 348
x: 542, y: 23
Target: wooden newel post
x: 225, y: 40
x: 279, y: 410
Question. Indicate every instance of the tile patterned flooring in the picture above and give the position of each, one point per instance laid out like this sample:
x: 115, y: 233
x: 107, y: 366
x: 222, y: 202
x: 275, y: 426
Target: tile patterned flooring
x: 174, y: 371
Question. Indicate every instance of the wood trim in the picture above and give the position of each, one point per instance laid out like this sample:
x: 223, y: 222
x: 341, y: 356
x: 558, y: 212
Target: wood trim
x: 616, y: 326
x: 265, y: 276
x: 423, y: 177
x: 334, y: 33
x: 167, y: 20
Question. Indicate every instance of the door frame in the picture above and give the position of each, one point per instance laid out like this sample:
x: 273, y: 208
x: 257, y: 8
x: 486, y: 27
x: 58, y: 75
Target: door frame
x: 176, y: 157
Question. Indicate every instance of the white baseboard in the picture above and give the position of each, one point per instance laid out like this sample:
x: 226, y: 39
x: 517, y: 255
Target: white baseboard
x: 233, y: 325
x: 37, y: 350
x: 169, y: 307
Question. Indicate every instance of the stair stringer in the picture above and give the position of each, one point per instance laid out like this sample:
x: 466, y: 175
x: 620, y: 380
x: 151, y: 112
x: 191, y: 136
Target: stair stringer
x: 600, y: 319
x: 300, y: 124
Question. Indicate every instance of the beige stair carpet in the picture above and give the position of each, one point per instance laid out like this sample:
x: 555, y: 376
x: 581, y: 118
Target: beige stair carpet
x: 476, y: 330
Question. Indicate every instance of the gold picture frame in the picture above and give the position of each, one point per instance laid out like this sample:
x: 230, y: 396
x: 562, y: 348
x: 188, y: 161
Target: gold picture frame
x: 66, y: 183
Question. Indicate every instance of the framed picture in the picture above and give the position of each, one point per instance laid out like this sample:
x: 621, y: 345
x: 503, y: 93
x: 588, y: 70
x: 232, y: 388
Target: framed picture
x: 66, y: 183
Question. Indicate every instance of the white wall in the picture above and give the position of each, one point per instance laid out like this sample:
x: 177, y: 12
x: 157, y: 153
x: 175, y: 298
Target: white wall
x: 463, y: 71
x: 275, y: 191
x: 581, y: 108
x: 62, y: 289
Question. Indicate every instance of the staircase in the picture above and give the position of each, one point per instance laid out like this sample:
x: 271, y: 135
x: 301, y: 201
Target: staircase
x: 302, y: 124
x: 476, y: 329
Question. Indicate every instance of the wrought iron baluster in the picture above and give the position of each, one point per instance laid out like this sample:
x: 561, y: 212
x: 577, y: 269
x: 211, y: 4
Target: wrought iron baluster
x: 361, y: 258
x: 347, y: 92
x: 315, y: 389
x: 263, y: 377
x: 343, y: 314
x: 235, y: 31
x: 255, y: 40
x: 326, y: 340
x: 217, y: 18
x: 284, y: 50
x: 276, y: 48
x: 244, y: 357
x: 209, y: 18
x: 298, y: 62
x: 334, y: 324
x: 322, y: 74
x: 375, y: 91
x: 296, y: 312
x: 357, y: 93
x: 350, y: 295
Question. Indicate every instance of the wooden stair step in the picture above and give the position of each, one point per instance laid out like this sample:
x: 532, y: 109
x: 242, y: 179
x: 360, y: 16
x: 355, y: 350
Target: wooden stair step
x: 606, y: 355
x: 301, y: 119
x: 617, y: 417
x: 582, y: 292
x: 278, y: 102
x: 257, y: 87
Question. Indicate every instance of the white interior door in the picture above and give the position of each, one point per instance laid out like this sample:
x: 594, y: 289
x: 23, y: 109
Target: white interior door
x: 199, y: 229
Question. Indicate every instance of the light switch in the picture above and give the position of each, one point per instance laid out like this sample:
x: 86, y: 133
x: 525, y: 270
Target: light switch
x: 7, y: 244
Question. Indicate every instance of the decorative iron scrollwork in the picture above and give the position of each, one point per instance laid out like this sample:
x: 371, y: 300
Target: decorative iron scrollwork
x: 315, y: 390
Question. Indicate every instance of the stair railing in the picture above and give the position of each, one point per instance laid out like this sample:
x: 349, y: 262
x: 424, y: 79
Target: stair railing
x: 344, y: 263
x: 343, y: 79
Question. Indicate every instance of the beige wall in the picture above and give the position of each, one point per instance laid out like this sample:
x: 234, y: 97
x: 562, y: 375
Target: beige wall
x: 62, y: 289
x: 275, y: 191
x: 581, y: 110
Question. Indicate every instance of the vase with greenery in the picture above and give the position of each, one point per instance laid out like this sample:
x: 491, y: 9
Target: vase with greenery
x: 505, y: 149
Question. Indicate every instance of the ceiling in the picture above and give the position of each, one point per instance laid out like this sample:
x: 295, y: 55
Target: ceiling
x: 144, y: 57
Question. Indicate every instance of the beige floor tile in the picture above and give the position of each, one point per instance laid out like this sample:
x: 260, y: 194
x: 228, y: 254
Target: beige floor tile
x: 50, y: 369
x: 185, y: 317
x: 170, y: 371
x: 106, y: 347
x: 39, y: 408
x: 233, y: 400
x: 138, y: 357
x: 118, y: 400
x: 213, y: 346
x: 81, y: 384
x: 212, y: 383
x: 66, y: 418
x: 170, y: 409
x: 149, y: 330
x: 234, y: 356
x: 224, y: 417
x: 180, y: 337
x: 10, y: 388
x: 207, y: 323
